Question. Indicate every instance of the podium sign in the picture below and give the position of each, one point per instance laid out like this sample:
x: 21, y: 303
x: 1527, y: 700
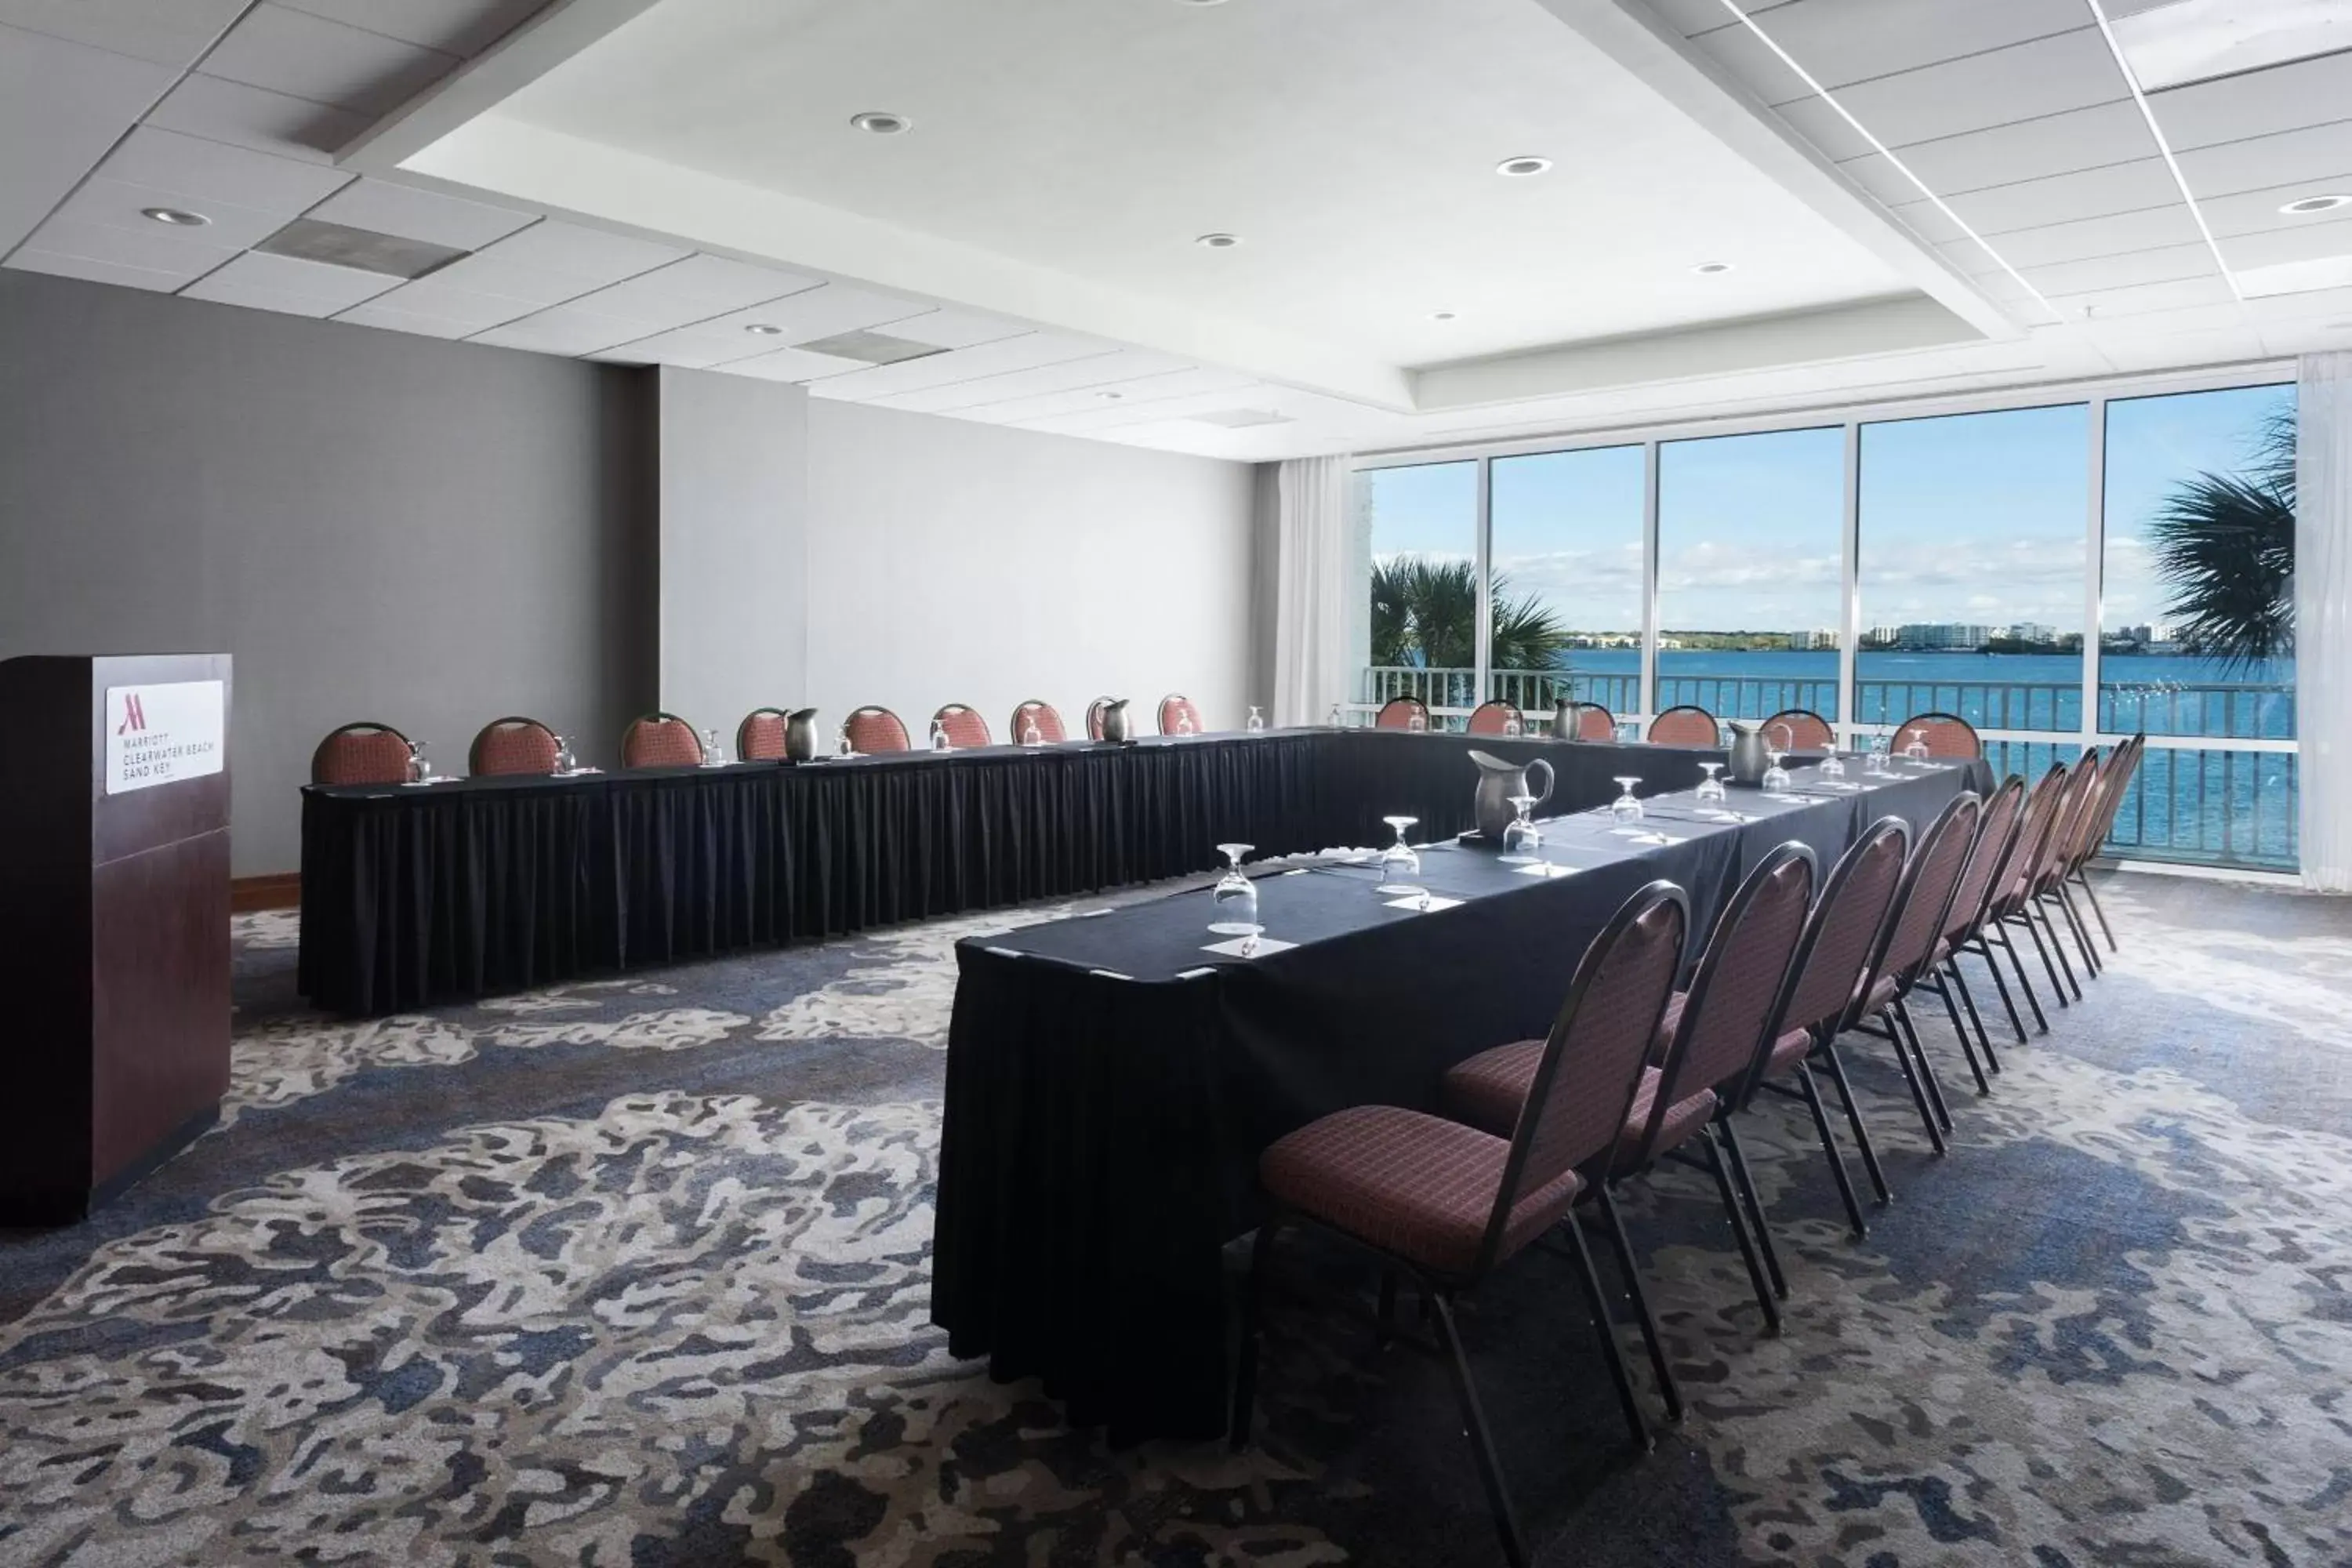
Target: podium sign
x: 114, y: 941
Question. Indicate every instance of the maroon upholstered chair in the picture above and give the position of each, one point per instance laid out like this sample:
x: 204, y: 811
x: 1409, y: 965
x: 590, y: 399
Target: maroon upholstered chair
x: 2047, y: 900
x: 1095, y: 712
x: 1447, y: 1203
x: 361, y: 753
x: 1806, y: 730
x: 1686, y: 725
x: 760, y: 738
x: 1044, y: 715
x: 874, y: 731
x: 1945, y: 735
x: 965, y: 726
x: 1882, y: 1005
x: 1179, y: 715
x: 660, y: 741
x: 1399, y: 712
x: 514, y: 745
x: 1497, y: 719
x: 1996, y: 836
x: 2013, y: 888
x: 1593, y: 722
x: 2123, y: 762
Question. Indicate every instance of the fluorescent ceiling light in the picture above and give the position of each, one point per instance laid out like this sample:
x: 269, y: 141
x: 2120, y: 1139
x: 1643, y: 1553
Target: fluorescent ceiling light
x: 2196, y: 40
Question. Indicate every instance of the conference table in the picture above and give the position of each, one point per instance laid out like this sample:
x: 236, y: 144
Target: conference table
x: 1112, y: 1079
x: 420, y: 894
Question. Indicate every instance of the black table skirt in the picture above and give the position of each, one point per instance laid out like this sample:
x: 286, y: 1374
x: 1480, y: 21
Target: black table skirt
x: 450, y: 891
x: 1102, y: 1129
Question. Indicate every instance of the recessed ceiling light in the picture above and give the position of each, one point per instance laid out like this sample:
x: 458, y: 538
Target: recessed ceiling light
x: 176, y: 216
x: 881, y: 124
x: 1440, y: 315
x: 1218, y: 241
x: 1115, y: 396
x: 764, y: 330
x: 2326, y: 204
x: 1519, y: 168
x: 1709, y: 268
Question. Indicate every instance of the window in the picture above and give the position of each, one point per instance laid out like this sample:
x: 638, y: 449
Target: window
x: 1566, y: 549
x: 1970, y: 568
x: 1750, y: 532
x: 1417, y: 562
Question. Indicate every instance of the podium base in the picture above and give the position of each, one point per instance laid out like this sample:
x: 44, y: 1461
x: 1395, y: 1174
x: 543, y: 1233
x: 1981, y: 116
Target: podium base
x: 49, y: 1208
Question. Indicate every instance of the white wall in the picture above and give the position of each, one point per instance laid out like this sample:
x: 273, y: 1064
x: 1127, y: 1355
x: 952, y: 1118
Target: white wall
x: 950, y: 561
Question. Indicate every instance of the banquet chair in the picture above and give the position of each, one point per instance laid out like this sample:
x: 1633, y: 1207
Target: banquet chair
x: 1398, y: 714
x: 1713, y: 1031
x: 2123, y: 762
x: 361, y: 753
x: 1095, y: 712
x: 1945, y: 735
x: 514, y: 745
x: 874, y: 730
x: 1882, y: 1005
x: 2081, y: 808
x: 1593, y: 722
x: 660, y: 740
x: 1447, y: 1204
x: 1686, y: 724
x: 1179, y: 715
x: 760, y: 738
x: 965, y: 726
x: 1995, y: 844
x: 1496, y: 719
x: 2012, y: 884
x: 1807, y: 730
x: 1045, y: 716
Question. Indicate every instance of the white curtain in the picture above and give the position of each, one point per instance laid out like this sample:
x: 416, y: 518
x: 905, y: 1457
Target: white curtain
x: 1311, y: 629
x: 2323, y: 618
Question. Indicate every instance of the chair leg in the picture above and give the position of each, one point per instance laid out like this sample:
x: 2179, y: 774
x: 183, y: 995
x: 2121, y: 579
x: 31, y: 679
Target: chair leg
x: 1960, y: 1027
x: 1253, y: 1302
x: 1623, y: 1247
x: 2057, y: 986
x: 1619, y: 1373
x: 1983, y: 949
x: 1829, y: 1147
x: 2083, y: 880
x: 1854, y: 1118
x: 1959, y: 983
x: 2017, y: 961
x: 1482, y: 1441
x: 1933, y: 1085
x: 1918, y: 1087
x: 1763, y: 1286
x: 1745, y: 1180
x: 2039, y: 907
x: 2089, y: 949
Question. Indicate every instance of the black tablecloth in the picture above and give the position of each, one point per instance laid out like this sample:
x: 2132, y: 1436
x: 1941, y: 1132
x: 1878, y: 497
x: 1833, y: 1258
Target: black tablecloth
x: 1111, y: 1084
x: 414, y: 895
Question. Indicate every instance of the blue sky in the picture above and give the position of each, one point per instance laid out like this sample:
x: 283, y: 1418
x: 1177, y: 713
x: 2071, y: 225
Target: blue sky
x: 1965, y: 518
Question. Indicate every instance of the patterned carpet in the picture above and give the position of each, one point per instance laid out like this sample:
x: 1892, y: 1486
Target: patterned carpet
x: 636, y: 1272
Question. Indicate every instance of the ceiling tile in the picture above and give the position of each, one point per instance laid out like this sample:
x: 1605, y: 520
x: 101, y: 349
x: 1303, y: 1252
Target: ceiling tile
x: 693, y: 289
x: 62, y: 105
x: 1928, y: 221
x: 1138, y: 393
x: 956, y: 329
x: 2108, y: 235
x: 2274, y: 248
x: 692, y: 348
x: 2251, y: 212
x: 89, y: 271
x: 1023, y: 352
x: 153, y: 249
x: 2259, y: 163
x: 1841, y: 42
x: 1111, y: 416
x: 2293, y: 278
x: 565, y: 330
x: 123, y: 206
x: 414, y: 213
x: 2163, y: 265
x: 1693, y: 17
x: 2063, y: 198
x: 222, y: 111
x: 327, y: 62
x: 2034, y: 149
x: 1969, y: 257
x: 468, y: 310
x: 2180, y: 294
x: 819, y: 312
x: 484, y: 275
x: 376, y: 313
x: 2290, y: 307
x: 1754, y: 65
x: 1094, y: 370
x: 166, y: 32
x: 212, y: 170
x: 285, y: 283
x: 572, y: 250
x: 463, y: 27
x: 793, y: 364
x: 2025, y: 81
x: 1818, y: 122
x: 2259, y: 103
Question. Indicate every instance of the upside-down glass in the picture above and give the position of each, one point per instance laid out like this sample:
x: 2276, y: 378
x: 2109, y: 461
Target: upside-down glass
x: 843, y: 747
x: 1511, y: 725
x: 1833, y: 766
x: 1399, y: 863
x: 1256, y: 721
x: 1233, y: 900
x: 1775, y: 776
x: 1710, y: 787
x: 565, y: 762
x: 1521, y: 840
x: 712, y: 756
x: 1629, y: 732
x: 1030, y: 734
x: 1183, y: 720
x: 420, y: 769
x: 1626, y: 807
x: 1417, y: 721
x: 1874, y: 757
x: 1338, y: 721
x: 1917, y: 751
x: 940, y: 741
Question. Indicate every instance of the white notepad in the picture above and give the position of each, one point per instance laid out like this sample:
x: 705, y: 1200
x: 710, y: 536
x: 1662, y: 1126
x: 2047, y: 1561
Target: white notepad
x: 1239, y: 947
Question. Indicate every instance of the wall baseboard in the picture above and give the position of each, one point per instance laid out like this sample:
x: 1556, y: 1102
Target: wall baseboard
x: 279, y: 890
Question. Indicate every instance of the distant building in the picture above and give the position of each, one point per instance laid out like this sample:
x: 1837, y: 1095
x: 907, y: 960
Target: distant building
x: 2032, y: 631
x: 1884, y: 637
x: 1808, y: 641
x: 1942, y: 636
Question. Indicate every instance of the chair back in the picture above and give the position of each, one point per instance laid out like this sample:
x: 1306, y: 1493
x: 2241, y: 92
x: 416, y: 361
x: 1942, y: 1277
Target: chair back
x: 874, y: 730
x: 660, y: 741
x: 1686, y: 725
x: 1495, y: 719
x: 2077, y: 801
x: 1045, y: 716
x: 2033, y: 824
x: 965, y: 726
x: 1996, y: 834
x: 1591, y: 1064
x: 1925, y: 895
x: 1844, y: 931
x: 761, y: 737
x: 361, y: 753
x: 1178, y: 714
x: 1945, y: 735
x: 2099, y: 821
x: 1806, y: 730
x: 514, y: 745
x: 1593, y: 722
x: 1735, y: 998
x: 1396, y: 713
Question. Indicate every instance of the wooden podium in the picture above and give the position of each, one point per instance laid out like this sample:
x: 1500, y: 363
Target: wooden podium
x: 114, y: 938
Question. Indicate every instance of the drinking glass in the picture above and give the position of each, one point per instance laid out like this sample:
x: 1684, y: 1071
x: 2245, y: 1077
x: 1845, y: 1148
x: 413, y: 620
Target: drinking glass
x: 1417, y: 721
x: 1183, y: 720
x: 1711, y: 787
x: 1626, y: 807
x: 1233, y: 900
x: 1917, y: 751
x: 843, y: 748
x: 1521, y: 840
x: 940, y: 741
x: 1337, y: 720
x: 712, y: 755
x: 1030, y: 734
x: 1874, y: 758
x: 1776, y: 776
x: 1512, y: 727
x: 1256, y: 721
x: 1833, y: 766
x: 420, y: 770
x: 565, y: 762
x: 1399, y: 863
x: 1629, y: 733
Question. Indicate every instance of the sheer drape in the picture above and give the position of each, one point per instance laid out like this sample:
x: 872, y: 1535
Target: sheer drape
x: 2323, y: 618
x: 1310, y: 632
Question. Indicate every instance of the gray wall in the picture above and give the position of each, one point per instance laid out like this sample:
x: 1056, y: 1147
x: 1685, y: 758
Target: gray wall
x: 734, y: 559
x: 377, y: 525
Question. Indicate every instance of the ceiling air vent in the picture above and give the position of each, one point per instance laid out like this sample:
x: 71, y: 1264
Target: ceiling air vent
x: 1240, y: 418
x: 308, y: 239
x: 874, y: 347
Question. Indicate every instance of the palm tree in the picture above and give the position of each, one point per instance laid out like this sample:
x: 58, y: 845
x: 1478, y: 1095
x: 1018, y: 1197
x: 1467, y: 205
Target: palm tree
x: 1425, y: 613
x: 2224, y: 544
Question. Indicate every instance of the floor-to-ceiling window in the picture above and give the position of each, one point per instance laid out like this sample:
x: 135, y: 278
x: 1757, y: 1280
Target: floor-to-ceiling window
x: 1567, y: 578
x: 1750, y: 532
x: 1416, y: 555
